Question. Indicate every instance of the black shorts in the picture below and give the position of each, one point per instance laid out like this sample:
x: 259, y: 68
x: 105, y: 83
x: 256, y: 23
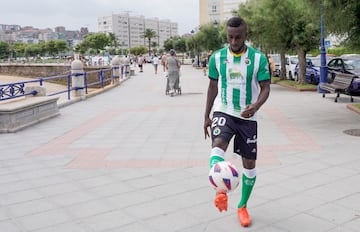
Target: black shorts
x: 226, y: 126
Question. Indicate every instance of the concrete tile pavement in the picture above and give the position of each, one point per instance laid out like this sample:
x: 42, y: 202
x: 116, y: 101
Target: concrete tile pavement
x: 133, y: 159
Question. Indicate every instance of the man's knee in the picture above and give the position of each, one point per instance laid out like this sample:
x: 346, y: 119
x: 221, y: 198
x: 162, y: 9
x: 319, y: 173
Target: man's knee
x: 220, y: 143
x: 248, y: 163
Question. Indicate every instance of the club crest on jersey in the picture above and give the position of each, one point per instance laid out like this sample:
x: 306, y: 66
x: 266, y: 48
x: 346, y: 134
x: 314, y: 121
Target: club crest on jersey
x: 216, y: 131
x: 247, y: 61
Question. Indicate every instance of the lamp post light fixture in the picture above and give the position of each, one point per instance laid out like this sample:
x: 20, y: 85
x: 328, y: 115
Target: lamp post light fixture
x: 323, y: 66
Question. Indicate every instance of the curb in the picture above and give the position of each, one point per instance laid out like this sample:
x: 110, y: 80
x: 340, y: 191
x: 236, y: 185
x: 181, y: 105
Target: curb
x: 297, y: 89
x: 353, y: 108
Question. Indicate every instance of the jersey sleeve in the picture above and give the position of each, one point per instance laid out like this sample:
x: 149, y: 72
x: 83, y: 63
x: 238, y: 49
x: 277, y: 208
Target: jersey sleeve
x: 263, y: 73
x: 213, y: 72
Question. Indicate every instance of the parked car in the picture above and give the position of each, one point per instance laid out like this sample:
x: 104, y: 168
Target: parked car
x: 346, y: 64
x: 312, y: 73
x: 277, y: 61
x: 290, y: 63
x: 148, y: 59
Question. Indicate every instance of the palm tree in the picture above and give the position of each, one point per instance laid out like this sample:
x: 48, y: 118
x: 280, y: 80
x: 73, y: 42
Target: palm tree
x: 149, y: 34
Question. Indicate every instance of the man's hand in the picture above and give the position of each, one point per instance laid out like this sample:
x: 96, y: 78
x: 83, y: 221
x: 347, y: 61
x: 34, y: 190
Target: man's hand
x: 249, y: 111
x: 207, y: 123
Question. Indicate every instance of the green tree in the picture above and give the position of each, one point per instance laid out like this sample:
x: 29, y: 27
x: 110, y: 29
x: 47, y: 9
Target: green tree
x: 342, y: 18
x: 149, y: 34
x: 32, y: 50
x: 61, y: 46
x: 97, y: 41
x: 180, y: 45
x: 4, y: 50
x: 193, y: 44
x: 283, y: 26
x: 209, y: 37
x: 113, y: 40
x: 43, y: 48
x: 19, y: 48
x: 168, y: 44
x: 154, y: 46
x: 84, y: 47
x: 51, y: 47
x: 138, y: 50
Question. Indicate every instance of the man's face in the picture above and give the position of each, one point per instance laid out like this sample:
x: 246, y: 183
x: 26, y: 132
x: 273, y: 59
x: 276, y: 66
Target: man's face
x: 236, y: 37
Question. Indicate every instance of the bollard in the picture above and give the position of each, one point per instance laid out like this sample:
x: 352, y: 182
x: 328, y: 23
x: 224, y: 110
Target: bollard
x: 77, y: 79
x: 40, y: 91
x: 132, y: 71
x: 115, y: 64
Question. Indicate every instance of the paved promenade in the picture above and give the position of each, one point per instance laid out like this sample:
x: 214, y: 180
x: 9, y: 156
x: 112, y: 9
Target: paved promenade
x: 133, y: 159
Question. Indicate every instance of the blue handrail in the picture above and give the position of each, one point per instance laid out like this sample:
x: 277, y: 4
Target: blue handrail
x: 17, y: 89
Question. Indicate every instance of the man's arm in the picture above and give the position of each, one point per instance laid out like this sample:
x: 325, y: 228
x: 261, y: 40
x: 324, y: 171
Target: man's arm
x: 211, y: 95
x: 263, y: 96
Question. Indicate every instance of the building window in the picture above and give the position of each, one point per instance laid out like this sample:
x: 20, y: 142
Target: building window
x: 213, y: 9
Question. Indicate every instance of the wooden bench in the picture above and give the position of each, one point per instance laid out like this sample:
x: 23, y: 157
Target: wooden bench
x: 341, y: 84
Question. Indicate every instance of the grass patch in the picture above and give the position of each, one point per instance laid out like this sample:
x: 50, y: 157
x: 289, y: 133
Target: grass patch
x: 357, y: 105
x: 293, y: 84
x: 296, y: 84
x: 275, y: 80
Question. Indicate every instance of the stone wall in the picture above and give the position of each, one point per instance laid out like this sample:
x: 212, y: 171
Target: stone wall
x: 33, y: 70
x: 45, y: 70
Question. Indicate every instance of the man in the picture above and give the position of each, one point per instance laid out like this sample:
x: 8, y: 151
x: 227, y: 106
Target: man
x: 206, y: 61
x: 155, y: 62
x: 140, y: 62
x: 163, y: 61
x: 239, y: 86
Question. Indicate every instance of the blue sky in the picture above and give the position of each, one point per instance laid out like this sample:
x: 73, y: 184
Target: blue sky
x: 74, y: 14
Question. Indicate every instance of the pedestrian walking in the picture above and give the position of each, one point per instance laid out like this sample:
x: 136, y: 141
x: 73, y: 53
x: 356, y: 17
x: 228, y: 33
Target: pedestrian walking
x: 155, y: 62
x: 163, y: 61
x: 140, y: 62
x: 173, y: 68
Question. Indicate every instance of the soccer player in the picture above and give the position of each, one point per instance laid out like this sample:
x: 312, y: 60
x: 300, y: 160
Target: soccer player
x: 239, y: 85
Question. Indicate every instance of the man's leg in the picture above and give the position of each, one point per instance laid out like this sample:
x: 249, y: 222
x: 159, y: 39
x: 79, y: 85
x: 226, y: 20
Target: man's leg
x: 248, y: 182
x: 217, y: 155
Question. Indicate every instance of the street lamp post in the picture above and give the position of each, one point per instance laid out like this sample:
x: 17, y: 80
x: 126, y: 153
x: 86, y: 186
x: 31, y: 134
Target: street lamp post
x: 323, y: 66
x: 198, y: 56
x: 197, y: 51
x: 122, y: 47
x: 216, y: 24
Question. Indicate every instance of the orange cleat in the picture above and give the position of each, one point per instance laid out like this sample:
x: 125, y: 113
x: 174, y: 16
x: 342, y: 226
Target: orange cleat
x: 244, y: 217
x: 221, y: 201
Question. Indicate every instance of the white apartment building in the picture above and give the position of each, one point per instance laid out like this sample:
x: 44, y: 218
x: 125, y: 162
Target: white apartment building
x: 129, y: 29
x: 212, y: 11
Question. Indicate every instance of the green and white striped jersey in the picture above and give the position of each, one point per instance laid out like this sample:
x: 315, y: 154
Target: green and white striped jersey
x: 238, y: 79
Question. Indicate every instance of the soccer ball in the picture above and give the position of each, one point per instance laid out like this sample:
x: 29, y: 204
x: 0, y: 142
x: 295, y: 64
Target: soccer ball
x: 224, y: 177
